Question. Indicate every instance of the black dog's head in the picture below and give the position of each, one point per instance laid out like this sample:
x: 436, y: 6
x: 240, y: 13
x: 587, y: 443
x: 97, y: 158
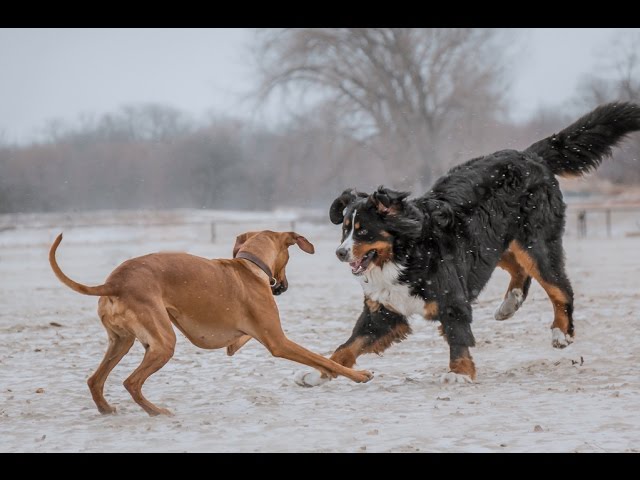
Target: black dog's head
x: 371, y: 225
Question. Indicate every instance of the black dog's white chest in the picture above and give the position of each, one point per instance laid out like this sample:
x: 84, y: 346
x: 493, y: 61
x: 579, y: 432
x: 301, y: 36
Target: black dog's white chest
x: 381, y: 285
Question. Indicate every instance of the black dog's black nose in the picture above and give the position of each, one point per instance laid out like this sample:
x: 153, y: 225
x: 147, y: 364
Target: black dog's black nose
x: 342, y: 254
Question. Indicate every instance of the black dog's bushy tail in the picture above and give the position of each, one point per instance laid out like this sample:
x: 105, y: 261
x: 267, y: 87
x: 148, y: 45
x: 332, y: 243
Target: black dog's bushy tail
x: 581, y: 146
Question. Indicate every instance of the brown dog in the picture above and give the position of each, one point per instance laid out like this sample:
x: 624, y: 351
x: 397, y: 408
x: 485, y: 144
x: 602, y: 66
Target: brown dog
x: 214, y: 303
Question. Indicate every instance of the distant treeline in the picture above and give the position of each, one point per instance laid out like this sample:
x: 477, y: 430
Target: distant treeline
x: 138, y: 158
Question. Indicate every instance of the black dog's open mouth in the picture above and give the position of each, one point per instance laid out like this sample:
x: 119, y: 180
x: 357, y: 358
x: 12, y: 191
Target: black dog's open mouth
x: 359, y: 266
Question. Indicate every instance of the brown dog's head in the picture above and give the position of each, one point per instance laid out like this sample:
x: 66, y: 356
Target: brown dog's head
x: 273, y: 249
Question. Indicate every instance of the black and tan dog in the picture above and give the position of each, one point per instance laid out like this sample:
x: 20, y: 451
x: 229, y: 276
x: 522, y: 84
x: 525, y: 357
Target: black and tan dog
x: 214, y: 303
x: 431, y: 256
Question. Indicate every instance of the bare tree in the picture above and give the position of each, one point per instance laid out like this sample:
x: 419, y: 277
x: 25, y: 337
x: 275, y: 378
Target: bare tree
x: 158, y: 123
x: 399, y: 90
x: 618, y: 79
x: 618, y: 76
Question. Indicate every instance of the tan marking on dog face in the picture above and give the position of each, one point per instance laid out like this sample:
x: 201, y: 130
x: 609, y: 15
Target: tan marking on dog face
x: 431, y: 310
x: 463, y: 366
x: 357, y: 225
x: 384, y: 249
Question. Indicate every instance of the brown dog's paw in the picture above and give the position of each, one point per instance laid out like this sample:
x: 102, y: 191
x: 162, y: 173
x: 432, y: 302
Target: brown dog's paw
x: 363, y: 376
x: 160, y: 411
x: 108, y: 410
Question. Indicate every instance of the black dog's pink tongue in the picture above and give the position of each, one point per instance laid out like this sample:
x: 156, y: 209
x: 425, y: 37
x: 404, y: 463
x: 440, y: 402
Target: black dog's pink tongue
x: 356, y: 267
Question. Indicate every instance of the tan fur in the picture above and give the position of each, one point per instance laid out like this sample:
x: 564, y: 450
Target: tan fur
x: 384, y: 249
x: 556, y: 295
x: 463, y: 366
x: 346, y: 355
x: 398, y: 334
x: 509, y: 263
x: 214, y: 303
x: 372, y: 305
x: 431, y: 310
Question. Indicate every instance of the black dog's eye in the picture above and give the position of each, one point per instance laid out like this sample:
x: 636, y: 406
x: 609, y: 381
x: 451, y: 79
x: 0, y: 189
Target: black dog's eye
x: 362, y: 232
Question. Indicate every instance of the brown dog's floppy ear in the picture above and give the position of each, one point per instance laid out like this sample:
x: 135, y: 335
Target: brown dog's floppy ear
x: 337, y: 207
x: 304, y: 244
x: 240, y: 239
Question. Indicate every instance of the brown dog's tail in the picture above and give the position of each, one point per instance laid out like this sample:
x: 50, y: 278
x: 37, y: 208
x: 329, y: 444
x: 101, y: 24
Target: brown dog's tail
x: 78, y: 287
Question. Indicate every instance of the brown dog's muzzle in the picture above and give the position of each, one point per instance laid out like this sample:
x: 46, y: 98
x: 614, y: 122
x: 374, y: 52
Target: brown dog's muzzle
x: 280, y: 287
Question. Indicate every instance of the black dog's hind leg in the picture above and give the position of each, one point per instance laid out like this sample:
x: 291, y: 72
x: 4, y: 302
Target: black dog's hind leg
x: 544, y: 261
x: 455, y: 319
x: 518, y: 286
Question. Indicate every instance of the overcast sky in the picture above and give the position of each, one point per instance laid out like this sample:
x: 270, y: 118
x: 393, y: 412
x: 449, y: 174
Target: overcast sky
x: 60, y: 73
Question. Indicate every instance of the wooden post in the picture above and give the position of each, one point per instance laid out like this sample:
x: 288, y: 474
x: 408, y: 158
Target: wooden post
x: 213, y: 232
x: 582, y: 224
x: 608, y: 213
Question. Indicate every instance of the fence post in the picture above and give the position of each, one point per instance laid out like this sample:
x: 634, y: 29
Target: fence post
x: 582, y: 224
x: 608, y: 223
x: 213, y: 232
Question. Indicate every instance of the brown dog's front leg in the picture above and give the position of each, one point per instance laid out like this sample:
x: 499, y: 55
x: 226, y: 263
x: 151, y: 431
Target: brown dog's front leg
x: 285, y: 348
x: 270, y: 334
x: 376, y: 330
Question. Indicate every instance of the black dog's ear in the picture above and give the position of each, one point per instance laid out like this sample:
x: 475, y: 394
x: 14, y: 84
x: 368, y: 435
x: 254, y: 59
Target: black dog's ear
x: 336, y: 211
x: 388, y: 201
x: 442, y: 214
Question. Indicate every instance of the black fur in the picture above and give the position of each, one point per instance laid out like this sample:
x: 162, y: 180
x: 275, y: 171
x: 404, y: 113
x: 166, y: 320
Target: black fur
x: 376, y: 325
x: 339, y: 204
x: 581, y: 146
x: 449, y: 241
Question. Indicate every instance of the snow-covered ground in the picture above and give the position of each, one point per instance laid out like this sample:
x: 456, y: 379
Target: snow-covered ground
x: 528, y: 396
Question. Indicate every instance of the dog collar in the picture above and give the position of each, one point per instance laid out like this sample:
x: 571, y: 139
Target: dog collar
x: 260, y: 264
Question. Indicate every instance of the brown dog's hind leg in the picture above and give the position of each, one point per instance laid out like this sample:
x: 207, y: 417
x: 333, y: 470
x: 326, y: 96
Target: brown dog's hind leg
x: 118, y: 348
x: 153, y: 328
x: 518, y: 286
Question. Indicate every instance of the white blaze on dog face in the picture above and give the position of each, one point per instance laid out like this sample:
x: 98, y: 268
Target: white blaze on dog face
x: 347, y: 243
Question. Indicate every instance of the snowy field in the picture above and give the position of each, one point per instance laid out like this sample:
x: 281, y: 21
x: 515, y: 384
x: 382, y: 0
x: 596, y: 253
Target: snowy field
x: 528, y: 396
